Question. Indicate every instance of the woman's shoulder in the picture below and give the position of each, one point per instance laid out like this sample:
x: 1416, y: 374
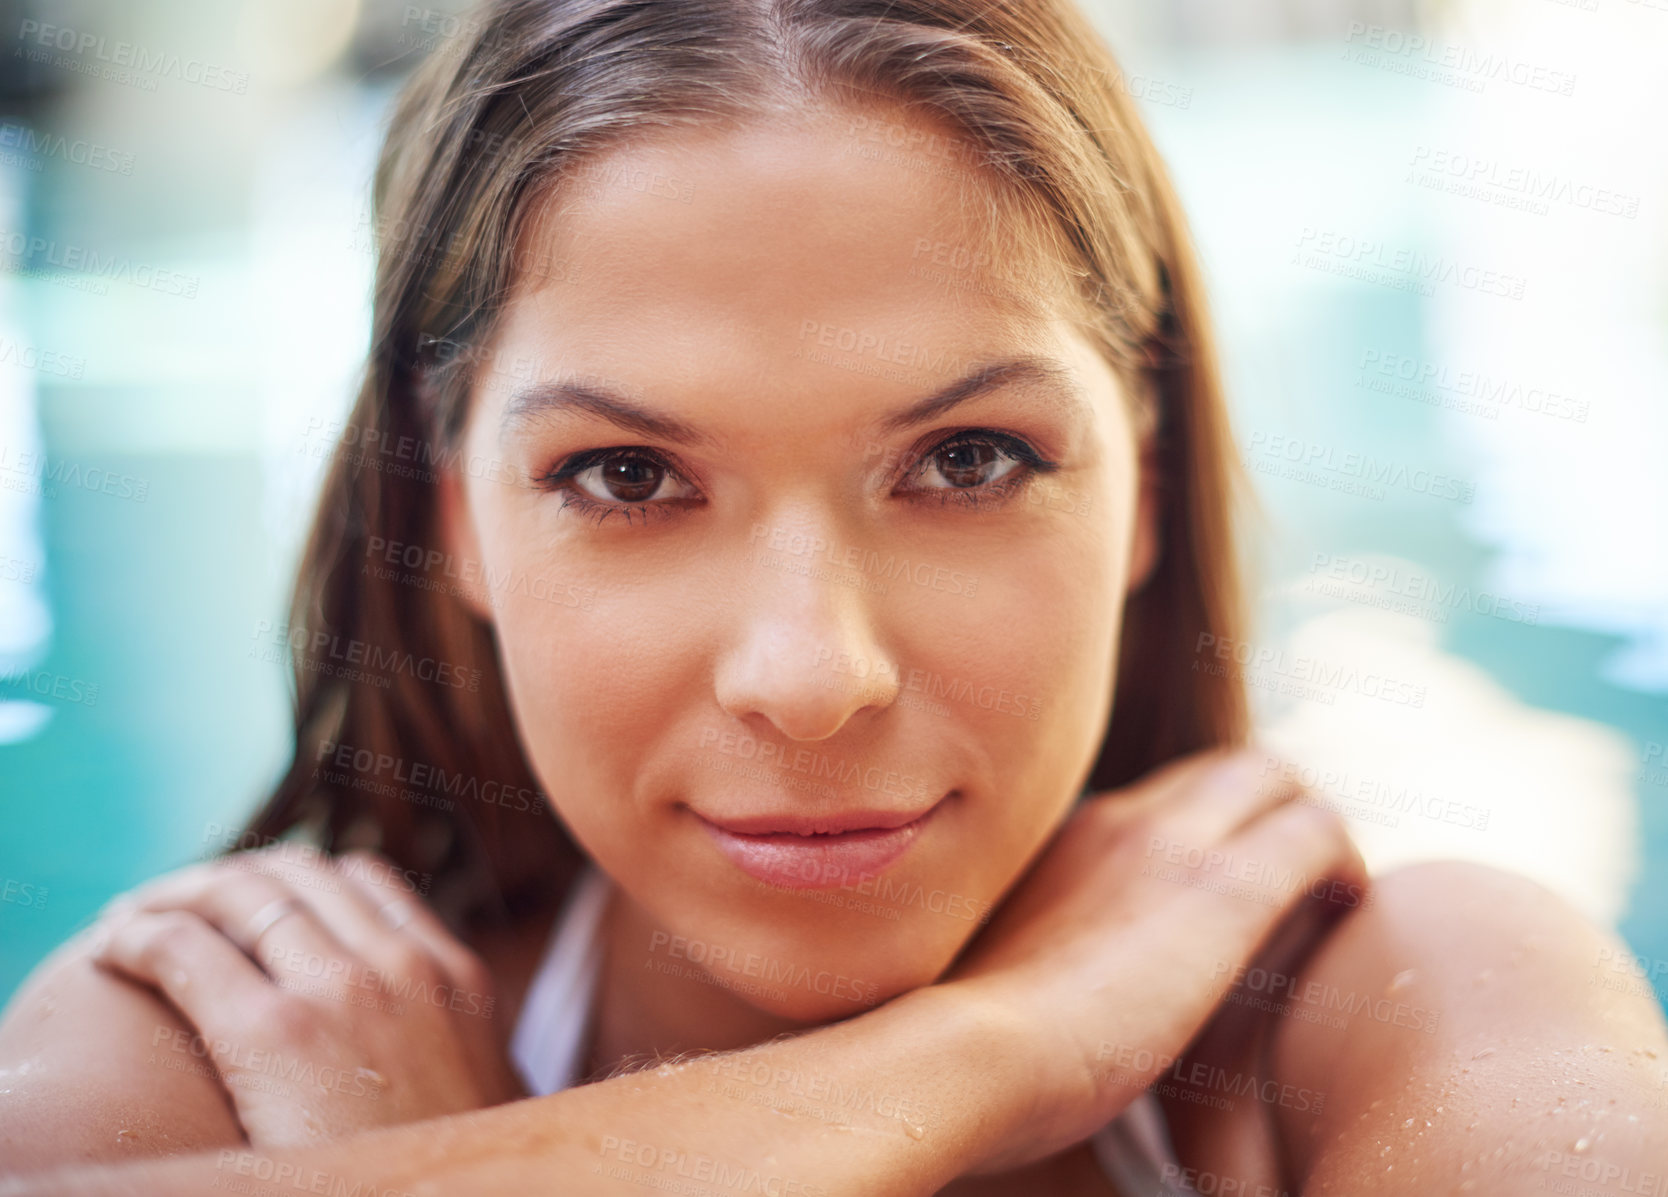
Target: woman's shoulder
x: 1446, y: 975
x: 100, y: 1069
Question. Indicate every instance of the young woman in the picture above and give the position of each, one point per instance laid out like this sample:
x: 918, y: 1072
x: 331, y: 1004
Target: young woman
x: 758, y: 618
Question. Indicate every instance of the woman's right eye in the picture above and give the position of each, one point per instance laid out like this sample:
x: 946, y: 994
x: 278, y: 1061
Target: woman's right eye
x: 628, y: 480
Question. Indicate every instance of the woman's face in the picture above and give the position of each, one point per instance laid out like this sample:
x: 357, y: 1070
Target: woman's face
x: 808, y: 593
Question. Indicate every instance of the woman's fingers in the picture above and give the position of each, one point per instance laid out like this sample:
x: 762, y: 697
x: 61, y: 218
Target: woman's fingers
x: 272, y: 922
x: 1231, y: 793
x: 407, y: 917
x: 1293, y: 853
x: 205, y: 976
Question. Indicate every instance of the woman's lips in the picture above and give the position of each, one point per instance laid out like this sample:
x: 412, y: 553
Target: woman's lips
x: 816, y: 852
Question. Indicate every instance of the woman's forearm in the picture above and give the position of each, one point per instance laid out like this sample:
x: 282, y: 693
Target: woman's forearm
x: 898, y: 1102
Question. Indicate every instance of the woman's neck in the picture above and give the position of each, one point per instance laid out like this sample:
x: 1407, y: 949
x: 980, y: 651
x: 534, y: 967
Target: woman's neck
x: 650, y: 1006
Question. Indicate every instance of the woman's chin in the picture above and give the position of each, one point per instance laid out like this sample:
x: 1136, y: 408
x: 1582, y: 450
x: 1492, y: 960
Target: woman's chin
x: 822, y: 987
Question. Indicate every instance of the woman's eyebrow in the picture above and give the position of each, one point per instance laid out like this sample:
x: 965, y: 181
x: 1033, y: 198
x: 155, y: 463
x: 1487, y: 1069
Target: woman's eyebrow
x: 535, y: 399
x: 1054, y: 378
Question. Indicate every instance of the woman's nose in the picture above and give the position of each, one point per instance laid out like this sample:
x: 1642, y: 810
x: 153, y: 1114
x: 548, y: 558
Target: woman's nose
x: 796, y: 617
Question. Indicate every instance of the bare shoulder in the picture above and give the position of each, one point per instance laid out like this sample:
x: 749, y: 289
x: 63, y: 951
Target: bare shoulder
x: 1467, y: 1023
x: 99, y: 1069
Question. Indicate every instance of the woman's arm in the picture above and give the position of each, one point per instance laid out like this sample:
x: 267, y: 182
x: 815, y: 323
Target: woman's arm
x: 1000, y: 1066
x: 923, y: 1085
x: 1487, y: 1039
x: 99, y: 1069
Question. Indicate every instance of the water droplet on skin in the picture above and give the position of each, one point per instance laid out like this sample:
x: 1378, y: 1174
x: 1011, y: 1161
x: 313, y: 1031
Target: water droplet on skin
x: 1582, y: 1144
x: 1401, y: 980
x: 373, y: 1076
x: 1484, y: 1054
x: 1408, y: 1124
x: 915, y: 1131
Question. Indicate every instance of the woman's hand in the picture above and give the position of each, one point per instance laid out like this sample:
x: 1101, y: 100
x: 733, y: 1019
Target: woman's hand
x: 1117, y: 946
x: 329, y: 998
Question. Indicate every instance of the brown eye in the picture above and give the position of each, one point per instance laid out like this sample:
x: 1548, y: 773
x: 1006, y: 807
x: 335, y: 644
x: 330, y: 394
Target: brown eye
x: 631, y: 479
x: 967, y: 464
x: 625, y: 476
x: 971, y: 464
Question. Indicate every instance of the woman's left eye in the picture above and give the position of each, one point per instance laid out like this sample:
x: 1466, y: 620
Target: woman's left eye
x: 625, y: 481
x: 968, y: 465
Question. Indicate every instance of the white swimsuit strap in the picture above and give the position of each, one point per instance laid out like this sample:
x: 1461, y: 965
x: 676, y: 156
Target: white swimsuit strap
x: 550, y: 1035
x: 556, y: 1014
x: 1135, y: 1152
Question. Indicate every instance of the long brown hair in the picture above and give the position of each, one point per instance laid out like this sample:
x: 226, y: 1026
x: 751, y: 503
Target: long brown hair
x: 404, y: 738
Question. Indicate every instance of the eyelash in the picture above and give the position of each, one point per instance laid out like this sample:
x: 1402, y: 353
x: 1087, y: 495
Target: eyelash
x: 1030, y: 464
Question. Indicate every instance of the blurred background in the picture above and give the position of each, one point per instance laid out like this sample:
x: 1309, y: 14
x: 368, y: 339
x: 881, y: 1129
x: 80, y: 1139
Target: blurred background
x: 1437, y: 243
